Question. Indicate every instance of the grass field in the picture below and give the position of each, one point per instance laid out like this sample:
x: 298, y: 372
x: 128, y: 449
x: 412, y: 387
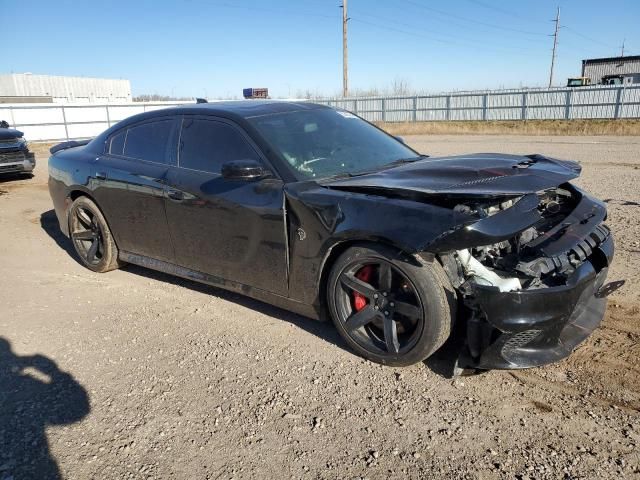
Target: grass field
x: 527, y: 127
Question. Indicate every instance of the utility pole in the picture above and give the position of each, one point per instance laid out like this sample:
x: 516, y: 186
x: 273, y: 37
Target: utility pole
x: 622, y: 53
x: 555, y: 44
x: 345, y: 66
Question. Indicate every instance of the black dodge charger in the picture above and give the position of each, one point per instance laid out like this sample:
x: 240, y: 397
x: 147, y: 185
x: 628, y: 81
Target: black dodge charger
x: 319, y: 212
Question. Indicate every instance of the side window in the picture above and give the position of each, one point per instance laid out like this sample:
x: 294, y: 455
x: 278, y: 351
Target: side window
x: 149, y: 141
x: 116, y: 143
x: 206, y: 144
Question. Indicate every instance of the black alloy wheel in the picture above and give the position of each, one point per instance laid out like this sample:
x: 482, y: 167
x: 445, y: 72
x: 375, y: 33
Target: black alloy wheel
x: 392, y: 318
x: 87, y: 236
x: 91, y: 236
x: 389, y: 307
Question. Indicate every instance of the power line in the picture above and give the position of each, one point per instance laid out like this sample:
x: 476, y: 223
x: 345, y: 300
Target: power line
x: 439, y: 40
x: 388, y: 20
x: 502, y: 10
x: 490, y: 25
x: 275, y: 10
x: 455, y: 36
x: 575, y: 32
x: 393, y: 29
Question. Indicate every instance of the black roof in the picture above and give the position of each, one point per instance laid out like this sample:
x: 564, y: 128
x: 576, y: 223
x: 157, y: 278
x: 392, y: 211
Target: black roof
x: 630, y: 58
x: 253, y: 108
x: 238, y: 110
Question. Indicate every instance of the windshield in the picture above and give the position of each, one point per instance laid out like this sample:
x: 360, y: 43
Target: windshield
x: 325, y: 143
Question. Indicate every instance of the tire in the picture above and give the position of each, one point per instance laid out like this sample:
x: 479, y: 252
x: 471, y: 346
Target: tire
x: 407, y: 314
x: 91, y: 237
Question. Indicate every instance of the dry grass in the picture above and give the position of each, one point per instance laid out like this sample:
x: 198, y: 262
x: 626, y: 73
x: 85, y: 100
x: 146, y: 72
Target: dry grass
x: 41, y: 149
x: 528, y: 127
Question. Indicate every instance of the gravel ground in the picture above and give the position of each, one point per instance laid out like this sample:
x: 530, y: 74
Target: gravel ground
x: 135, y: 374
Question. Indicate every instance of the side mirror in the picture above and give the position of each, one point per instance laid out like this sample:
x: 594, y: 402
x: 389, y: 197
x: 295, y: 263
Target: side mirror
x: 399, y: 138
x: 244, y: 170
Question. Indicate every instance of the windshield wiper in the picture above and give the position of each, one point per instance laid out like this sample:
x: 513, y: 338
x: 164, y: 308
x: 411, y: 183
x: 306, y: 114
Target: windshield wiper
x: 343, y: 175
x: 400, y: 161
x: 338, y: 176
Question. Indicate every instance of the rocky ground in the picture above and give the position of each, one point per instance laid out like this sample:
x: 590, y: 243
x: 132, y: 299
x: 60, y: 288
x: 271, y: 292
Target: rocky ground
x: 135, y: 374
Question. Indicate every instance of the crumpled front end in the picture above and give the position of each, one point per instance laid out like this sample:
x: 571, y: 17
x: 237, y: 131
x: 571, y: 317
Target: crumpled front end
x: 531, y: 298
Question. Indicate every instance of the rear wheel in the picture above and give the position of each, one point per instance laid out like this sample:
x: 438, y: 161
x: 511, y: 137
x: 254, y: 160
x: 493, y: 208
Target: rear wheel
x: 389, y: 308
x: 91, y: 236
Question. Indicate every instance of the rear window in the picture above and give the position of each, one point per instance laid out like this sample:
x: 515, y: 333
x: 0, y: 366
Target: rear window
x: 149, y: 141
x: 206, y: 144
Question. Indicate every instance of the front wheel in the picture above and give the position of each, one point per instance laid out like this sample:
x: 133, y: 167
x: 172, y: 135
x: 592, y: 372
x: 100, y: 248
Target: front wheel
x: 389, y: 308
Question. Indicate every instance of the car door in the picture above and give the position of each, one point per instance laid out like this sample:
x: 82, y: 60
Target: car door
x: 129, y: 186
x: 232, y: 229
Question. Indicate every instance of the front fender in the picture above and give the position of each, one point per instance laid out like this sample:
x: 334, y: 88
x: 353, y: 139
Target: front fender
x: 319, y: 219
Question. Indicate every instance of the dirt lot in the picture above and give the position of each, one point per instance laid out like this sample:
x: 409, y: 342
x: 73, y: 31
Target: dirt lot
x: 135, y: 374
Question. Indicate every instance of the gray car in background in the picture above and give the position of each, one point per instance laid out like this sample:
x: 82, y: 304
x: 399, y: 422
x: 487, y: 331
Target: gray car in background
x: 15, y: 157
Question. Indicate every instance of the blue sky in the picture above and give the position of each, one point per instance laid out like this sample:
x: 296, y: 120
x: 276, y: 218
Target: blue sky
x: 215, y: 48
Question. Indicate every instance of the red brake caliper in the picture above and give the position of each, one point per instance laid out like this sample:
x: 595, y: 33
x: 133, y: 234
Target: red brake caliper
x: 364, y: 274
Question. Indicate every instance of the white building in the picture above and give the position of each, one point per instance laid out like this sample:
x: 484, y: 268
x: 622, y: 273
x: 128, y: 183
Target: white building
x: 60, y: 89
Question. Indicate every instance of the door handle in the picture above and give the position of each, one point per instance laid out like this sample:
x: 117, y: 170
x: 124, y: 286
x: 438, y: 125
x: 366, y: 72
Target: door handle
x: 175, y: 195
x: 101, y: 175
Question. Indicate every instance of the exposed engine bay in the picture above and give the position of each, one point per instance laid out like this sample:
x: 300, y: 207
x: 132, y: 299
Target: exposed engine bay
x: 520, y: 262
x: 537, y: 290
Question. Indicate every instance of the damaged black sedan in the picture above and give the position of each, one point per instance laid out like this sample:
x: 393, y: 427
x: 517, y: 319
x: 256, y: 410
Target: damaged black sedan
x: 317, y: 211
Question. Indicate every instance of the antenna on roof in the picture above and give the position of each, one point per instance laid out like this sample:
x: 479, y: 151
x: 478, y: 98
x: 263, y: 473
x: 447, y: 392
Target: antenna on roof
x: 201, y: 100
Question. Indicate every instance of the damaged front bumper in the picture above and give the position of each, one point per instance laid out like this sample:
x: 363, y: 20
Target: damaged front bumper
x: 511, y: 326
x: 528, y: 328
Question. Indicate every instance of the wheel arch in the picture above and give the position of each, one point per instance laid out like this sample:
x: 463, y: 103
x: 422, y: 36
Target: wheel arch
x: 72, y: 196
x: 76, y: 193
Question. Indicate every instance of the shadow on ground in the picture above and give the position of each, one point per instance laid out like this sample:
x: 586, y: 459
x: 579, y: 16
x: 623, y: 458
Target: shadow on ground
x: 13, y: 177
x: 442, y: 363
x: 49, y: 223
x: 34, y: 394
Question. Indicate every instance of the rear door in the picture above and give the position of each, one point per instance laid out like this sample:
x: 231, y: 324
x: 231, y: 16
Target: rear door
x: 130, y: 183
x: 232, y: 229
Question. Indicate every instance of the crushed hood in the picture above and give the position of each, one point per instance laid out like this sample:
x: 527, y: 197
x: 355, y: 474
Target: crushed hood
x: 9, y: 134
x: 482, y: 174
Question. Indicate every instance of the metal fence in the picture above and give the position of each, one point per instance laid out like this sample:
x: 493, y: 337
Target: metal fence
x: 604, y: 102
x: 72, y: 121
x: 43, y: 122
